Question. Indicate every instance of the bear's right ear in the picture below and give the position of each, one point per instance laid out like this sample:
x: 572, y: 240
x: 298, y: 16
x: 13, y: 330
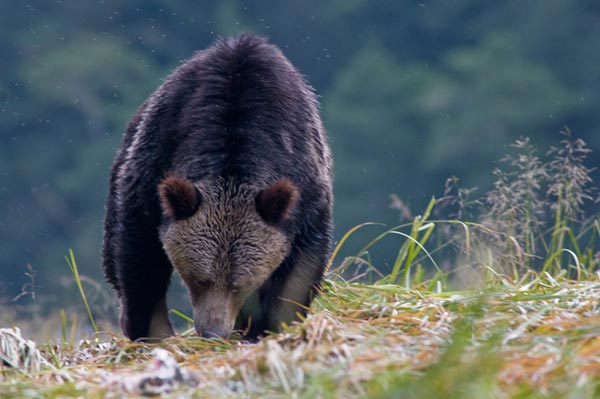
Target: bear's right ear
x: 179, y: 198
x: 276, y: 202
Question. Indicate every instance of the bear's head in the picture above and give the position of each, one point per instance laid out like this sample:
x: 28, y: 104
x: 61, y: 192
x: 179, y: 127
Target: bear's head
x: 224, y: 240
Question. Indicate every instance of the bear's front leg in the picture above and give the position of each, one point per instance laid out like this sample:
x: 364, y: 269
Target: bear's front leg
x: 143, y: 272
x: 289, y: 291
x: 137, y: 325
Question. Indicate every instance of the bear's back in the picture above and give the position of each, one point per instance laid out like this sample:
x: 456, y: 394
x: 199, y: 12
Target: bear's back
x: 237, y: 109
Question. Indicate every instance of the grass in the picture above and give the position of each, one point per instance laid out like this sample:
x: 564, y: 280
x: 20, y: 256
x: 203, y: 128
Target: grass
x: 517, y: 315
x: 378, y: 340
x: 75, y: 271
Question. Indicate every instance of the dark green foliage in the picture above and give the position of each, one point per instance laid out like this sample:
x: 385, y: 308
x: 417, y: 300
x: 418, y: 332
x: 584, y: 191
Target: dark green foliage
x: 412, y: 92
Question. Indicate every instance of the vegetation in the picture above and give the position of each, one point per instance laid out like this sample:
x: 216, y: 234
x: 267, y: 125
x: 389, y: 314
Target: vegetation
x: 411, y: 93
x: 361, y: 340
x: 514, y: 314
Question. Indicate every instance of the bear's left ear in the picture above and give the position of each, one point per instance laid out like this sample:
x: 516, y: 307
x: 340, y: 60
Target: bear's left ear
x: 276, y: 202
x: 179, y: 198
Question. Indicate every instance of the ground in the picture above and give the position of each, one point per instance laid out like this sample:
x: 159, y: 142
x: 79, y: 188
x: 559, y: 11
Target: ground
x: 513, y: 341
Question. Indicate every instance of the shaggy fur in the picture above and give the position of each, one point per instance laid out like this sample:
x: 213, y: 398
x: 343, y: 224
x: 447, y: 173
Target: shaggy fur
x: 233, y: 123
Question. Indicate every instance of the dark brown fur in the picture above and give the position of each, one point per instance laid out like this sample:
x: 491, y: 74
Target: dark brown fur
x: 276, y: 203
x: 178, y: 197
x: 234, y: 120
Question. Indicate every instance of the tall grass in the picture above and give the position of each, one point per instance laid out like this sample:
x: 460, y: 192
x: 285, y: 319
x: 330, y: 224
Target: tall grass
x: 540, y: 207
x: 532, y: 222
x: 75, y: 271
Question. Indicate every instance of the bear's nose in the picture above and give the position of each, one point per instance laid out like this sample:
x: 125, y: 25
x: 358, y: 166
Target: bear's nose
x: 211, y: 335
x: 214, y: 335
x: 213, y: 332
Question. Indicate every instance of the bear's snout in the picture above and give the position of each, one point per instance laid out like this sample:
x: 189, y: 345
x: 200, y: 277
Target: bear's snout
x: 215, y: 311
x: 212, y: 333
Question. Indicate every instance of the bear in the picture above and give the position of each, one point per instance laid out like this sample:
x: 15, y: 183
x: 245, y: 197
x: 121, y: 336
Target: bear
x: 225, y: 176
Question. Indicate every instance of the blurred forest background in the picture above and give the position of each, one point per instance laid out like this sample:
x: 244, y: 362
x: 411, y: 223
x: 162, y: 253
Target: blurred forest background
x: 411, y: 92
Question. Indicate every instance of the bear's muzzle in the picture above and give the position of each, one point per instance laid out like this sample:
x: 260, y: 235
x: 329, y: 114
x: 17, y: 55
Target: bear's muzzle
x: 215, y: 311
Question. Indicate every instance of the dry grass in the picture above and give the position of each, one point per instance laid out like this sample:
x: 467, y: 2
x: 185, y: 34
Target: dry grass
x: 360, y: 341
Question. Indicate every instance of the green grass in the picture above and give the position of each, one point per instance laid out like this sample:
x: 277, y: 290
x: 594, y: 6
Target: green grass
x: 516, y: 315
x: 378, y: 340
x: 75, y: 271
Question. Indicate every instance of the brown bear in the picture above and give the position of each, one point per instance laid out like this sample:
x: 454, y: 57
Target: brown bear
x: 225, y: 175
